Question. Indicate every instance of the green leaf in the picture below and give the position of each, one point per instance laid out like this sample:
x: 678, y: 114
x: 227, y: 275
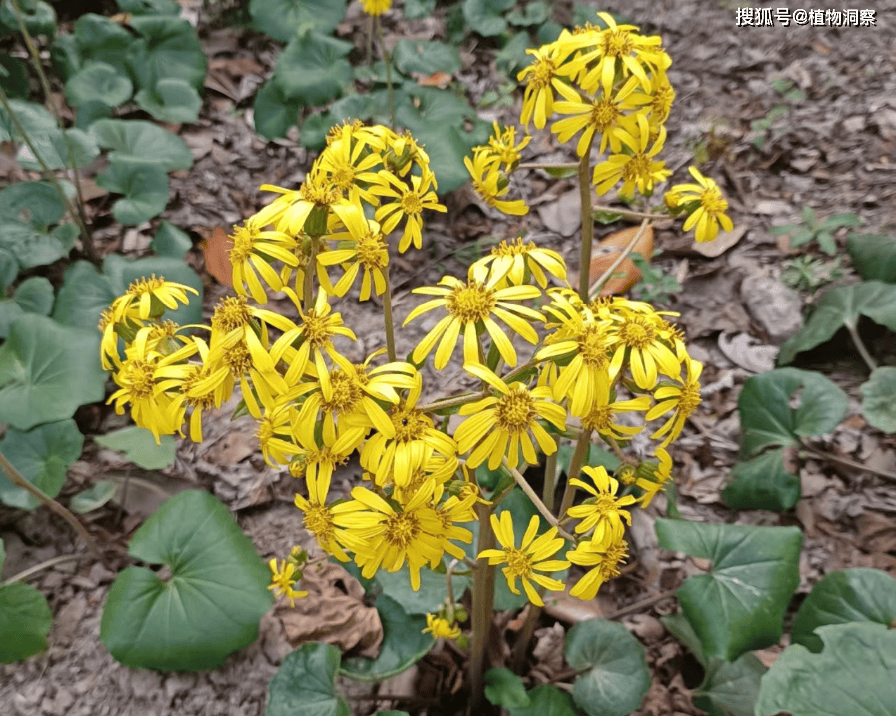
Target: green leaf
x: 209, y: 606
x: 85, y: 293
x: 56, y: 147
x: 281, y: 19
x: 145, y: 141
x: 14, y: 77
x: 36, y: 203
x: 447, y: 145
x: 617, y: 678
x: 139, y: 446
x: 873, y: 256
x: 39, y: 17
x: 168, y: 48
x: 31, y: 247
x: 766, y: 418
x: 484, y: 16
x: 144, y: 185
x: 47, y: 371
x: 98, y: 82
x: 547, y: 700
x: 843, y: 597
x: 431, y: 594
x: 730, y: 688
x: 42, y: 456
x: 404, y: 644
x: 879, y: 399
x: 425, y: 56
x: 512, y: 58
x: 505, y: 689
x: 174, y: 100
x: 740, y: 604
x: 762, y: 483
x: 839, y: 307
x: 852, y: 675
x: 170, y: 241
x: 25, y: 620
x: 149, y: 7
x: 35, y: 295
x: 418, y: 9
x: 312, y: 69
x: 535, y: 13
x: 94, y: 498
x: 273, y: 112
x: 122, y: 272
x: 305, y: 685
x: 90, y: 112
x: 96, y: 38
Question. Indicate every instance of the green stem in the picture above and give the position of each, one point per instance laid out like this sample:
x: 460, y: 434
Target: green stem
x: 25, y: 573
x: 539, y: 165
x: 625, y: 212
x: 308, y: 289
x: 387, y: 317
x: 539, y: 505
x: 575, y: 467
x: 860, y: 344
x: 483, y: 597
x: 387, y: 58
x: 550, y: 480
x: 587, y: 224
x: 602, y: 279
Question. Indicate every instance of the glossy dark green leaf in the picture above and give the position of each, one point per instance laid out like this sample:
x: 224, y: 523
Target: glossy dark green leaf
x: 730, y: 688
x: 170, y: 241
x: 842, y: 597
x: 206, y: 609
x: 879, y: 399
x: 546, y: 700
x: 35, y: 295
x: 873, y: 256
x: 31, y: 247
x: 305, y: 685
x: 839, y: 307
x: 281, y: 19
x: 98, y: 82
x: 96, y: 38
x: 145, y: 141
x: 122, y: 272
x: 173, y: 100
x: 617, y: 677
x: 762, y: 483
x: 35, y: 203
x: 85, y: 293
x: 852, y: 675
x: 505, y: 689
x: 404, y: 644
x: 93, y: 498
x: 57, y: 148
x: 167, y: 48
x: 312, y: 69
x: 766, y: 418
x: 425, y: 57
x: 273, y: 112
x: 42, y: 455
x: 740, y: 604
x: 145, y: 188
x: 25, y: 620
x: 139, y: 446
x: 47, y: 371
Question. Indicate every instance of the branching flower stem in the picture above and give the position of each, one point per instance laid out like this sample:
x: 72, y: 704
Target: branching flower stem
x: 604, y: 277
x: 536, y: 500
x: 587, y: 224
x: 481, y: 610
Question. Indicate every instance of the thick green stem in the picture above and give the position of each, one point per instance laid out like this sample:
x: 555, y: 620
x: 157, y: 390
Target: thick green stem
x: 587, y: 224
x: 860, y: 344
x: 387, y: 317
x: 483, y: 598
x: 602, y: 279
x: 575, y: 467
x: 308, y: 288
x: 550, y: 480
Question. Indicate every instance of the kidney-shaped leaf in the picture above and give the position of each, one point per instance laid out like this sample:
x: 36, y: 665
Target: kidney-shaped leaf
x: 42, y: 456
x: 547, y: 700
x: 139, y: 446
x: 762, y: 483
x: 85, y: 293
x: 98, y: 82
x: 32, y: 202
x: 25, y: 619
x: 850, y: 595
x: 313, y: 69
x: 426, y: 57
x: 505, y: 689
x: 145, y: 189
x: 852, y: 675
x: 305, y: 685
x: 873, y: 256
x: 281, y: 19
x: 879, y: 399
x: 730, y: 688
x: 740, y: 604
x: 617, y: 676
x: 136, y: 139
x: 839, y: 307
x: 173, y: 100
x: 767, y: 419
x: 168, y: 47
x: 47, y: 371
x: 210, y: 604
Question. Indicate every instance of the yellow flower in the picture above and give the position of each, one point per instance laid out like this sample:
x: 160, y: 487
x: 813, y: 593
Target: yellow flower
x: 307, y: 209
x: 512, y: 260
x: 375, y: 7
x: 682, y: 400
x: 637, y: 171
x: 441, y: 628
x: 351, y: 154
x: 148, y: 298
x: 709, y: 206
x: 500, y: 426
x: 282, y: 580
x: 652, y: 477
x: 605, y: 562
x: 471, y: 306
x: 640, y: 339
x: 602, y: 511
x: 600, y: 416
x: 491, y: 184
x: 504, y: 146
x: 318, y: 519
x: 150, y: 408
x: 363, y: 246
x: 409, y: 203
x: 253, y: 250
x: 524, y: 562
x: 538, y: 97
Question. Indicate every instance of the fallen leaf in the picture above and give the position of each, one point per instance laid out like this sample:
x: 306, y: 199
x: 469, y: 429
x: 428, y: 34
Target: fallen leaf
x: 217, y: 256
x: 437, y: 79
x: 608, y: 250
x: 746, y: 351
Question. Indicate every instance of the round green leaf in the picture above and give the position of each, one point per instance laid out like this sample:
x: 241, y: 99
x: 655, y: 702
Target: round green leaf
x: 273, y: 112
x: 485, y: 16
x: 9, y: 268
x: 404, y: 644
x: 767, y: 419
x: 42, y: 456
x: 852, y: 675
x: 98, y: 82
x: 740, y: 604
x: 25, y: 620
x: 879, y: 399
x: 873, y: 256
x: 139, y: 446
x: 56, y: 147
x: 35, y: 203
x: 136, y: 139
x: 96, y: 38
x: 145, y: 188
x: 850, y: 595
x: 312, y: 69
x: 168, y: 47
x: 417, y: 9
x: 39, y: 17
x: 425, y: 56
x: 173, y: 100
x: 305, y: 685
x: 839, y: 307
x: 209, y: 606
x: 35, y: 295
x: 9, y: 312
x: 535, y: 13
x: 85, y: 293
x: 94, y: 498
x: 547, y: 700
x: 170, y: 241
x: 617, y: 676
x: 47, y: 371
x: 31, y: 247
x: 504, y: 688
x: 730, y: 688
x: 281, y: 19
x: 149, y: 7
x: 762, y: 483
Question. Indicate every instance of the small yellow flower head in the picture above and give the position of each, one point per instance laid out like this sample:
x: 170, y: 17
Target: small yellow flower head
x: 374, y: 8
x: 604, y: 561
x: 148, y: 298
x: 681, y: 399
x: 253, y: 250
x: 441, y: 628
x: 514, y: 261
x: 504, y: 146
x: 282, y: 580
x: 708, y: 208
x: 491, y: 183
x: 602, y: 512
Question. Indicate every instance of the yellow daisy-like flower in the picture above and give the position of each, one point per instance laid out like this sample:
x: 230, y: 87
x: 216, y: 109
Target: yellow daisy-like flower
x: 638, y: 171
x: 602, y: 512
x: 150, y: 408
x: 706, y: 204
x: 652, y: 477
x: 409, y: 202
x: 375, y: 8
x: 306, y: 210
x: 600, y: 417
x: 538, y: 97
x: 604, y: 561
x: 274, y: 434
x: 526, y: 561
x: 351, y: 154
x: 512, y: 260
x: 362, y: 246
x: 500, y: 426
x: 282, y: 580
x: 441, y: 628
x: 641, y: 341
x: 681, y: 399
x: 491, y: 183
x: 318, y: 519
x: 470, y: 306
x: 504, y: 146
x: 148, y: 298
x: 253, y: 250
